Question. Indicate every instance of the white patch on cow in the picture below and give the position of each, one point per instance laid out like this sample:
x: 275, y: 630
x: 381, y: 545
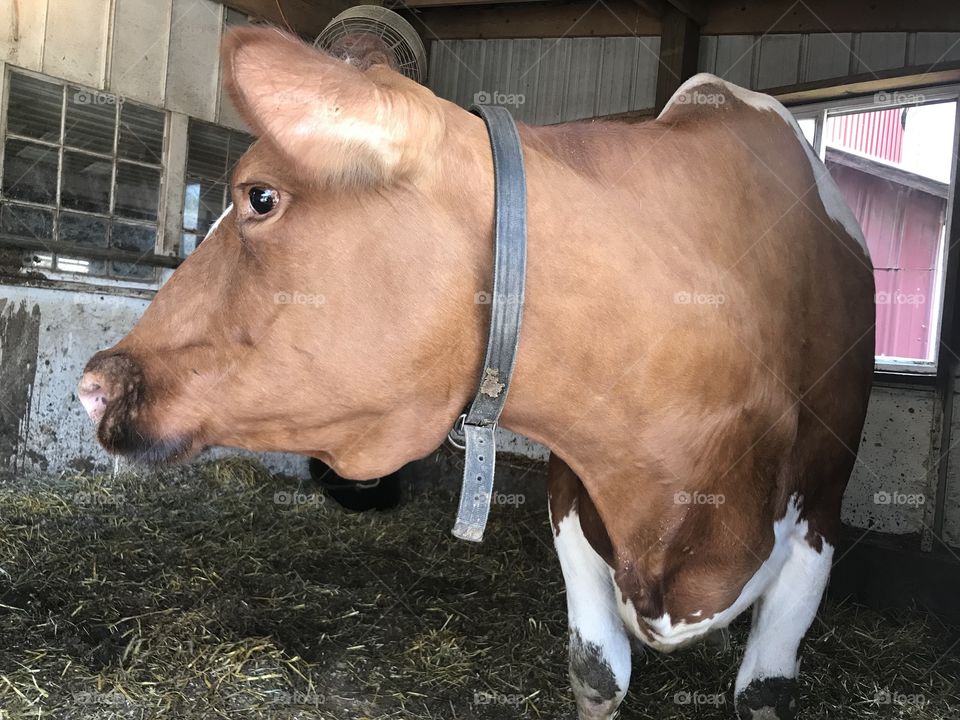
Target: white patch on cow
x: 668, y: 635
x: 833, y: 203
x: 784, y: 614
x: 383, y: 137
x: 216, y: 223
x: 591, y: 607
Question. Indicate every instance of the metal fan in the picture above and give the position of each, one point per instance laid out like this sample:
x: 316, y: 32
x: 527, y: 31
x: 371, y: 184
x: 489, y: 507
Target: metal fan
x: 409, y: 54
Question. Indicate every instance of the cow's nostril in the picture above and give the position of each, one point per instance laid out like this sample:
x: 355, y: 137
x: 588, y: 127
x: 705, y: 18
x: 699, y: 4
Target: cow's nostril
x: 92, y: 396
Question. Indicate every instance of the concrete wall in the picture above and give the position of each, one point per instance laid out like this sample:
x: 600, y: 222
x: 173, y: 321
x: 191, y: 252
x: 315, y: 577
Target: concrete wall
x: 46, y: 337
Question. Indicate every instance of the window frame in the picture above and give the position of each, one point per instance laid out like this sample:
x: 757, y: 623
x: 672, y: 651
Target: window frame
x: 60, y: 145
x: 902, y: 369
x: 224, y: 179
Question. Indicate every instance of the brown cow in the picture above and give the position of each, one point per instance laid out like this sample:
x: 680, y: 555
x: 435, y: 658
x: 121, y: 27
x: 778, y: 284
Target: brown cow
x: 697, y: 346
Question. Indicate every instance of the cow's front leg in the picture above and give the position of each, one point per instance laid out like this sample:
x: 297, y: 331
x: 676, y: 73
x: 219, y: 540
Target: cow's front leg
x: 766, y: 685
x: 599, y: 647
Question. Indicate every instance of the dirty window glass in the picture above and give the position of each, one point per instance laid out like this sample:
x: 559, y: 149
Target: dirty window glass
x: 80, y: 168
x: 212, y: 151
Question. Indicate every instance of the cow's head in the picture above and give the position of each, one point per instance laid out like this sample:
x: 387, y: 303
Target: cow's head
x: 331, y: 310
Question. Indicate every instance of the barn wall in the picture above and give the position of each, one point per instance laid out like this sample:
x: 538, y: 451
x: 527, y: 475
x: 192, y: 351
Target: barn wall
x: 160, y: 52
x: 46, y: 337
x: 549, y: 80
x: 951, y: 524
x: 890, y: 488
x: 557, y: 79
x: 163, y: 53
x: 777, y: 60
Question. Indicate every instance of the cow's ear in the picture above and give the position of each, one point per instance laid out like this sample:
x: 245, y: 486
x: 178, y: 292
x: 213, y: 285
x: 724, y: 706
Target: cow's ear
x: 338, y: 123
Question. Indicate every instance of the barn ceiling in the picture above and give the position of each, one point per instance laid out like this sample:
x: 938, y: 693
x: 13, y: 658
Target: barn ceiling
x: 567, y: 18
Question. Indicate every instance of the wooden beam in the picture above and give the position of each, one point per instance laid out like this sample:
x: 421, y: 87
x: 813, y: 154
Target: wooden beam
x: 696, y: 10
x: 948, y: 362
x: 580, y: 18
x: 744, y: 17
x: 867, y: 84
x: 448, y: 3
x: 679, y: 50
x: 305, y: 17
x: 891, y: 173
x: 653, y: 8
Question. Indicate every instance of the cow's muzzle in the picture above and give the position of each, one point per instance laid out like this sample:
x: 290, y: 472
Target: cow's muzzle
x: 112, y: 391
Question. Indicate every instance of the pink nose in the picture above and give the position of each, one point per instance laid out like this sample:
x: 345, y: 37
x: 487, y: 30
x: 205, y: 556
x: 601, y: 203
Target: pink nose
x: 93, y: 396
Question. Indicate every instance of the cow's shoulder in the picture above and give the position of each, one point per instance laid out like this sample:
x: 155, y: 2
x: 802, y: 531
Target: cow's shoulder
x: 706, y: 100
x: 705, y: 94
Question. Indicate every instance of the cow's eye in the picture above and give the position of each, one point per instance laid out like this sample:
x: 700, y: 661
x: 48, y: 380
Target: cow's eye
x: 263, y: 200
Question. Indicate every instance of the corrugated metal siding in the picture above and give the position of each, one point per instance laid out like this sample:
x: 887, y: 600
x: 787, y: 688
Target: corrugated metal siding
x: 903, y: 228
x: 571, y: 78
x: 550, y: 80
x: 762, y: 62
x: 878, y: 134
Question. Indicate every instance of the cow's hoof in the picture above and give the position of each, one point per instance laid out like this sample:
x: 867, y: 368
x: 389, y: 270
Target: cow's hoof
x: 772, y: 698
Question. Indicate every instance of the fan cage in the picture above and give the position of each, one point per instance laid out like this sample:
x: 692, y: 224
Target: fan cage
x: 399, y: 36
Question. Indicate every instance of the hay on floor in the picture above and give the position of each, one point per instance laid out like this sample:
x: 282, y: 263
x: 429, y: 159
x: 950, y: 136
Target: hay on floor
x: 221, y: 591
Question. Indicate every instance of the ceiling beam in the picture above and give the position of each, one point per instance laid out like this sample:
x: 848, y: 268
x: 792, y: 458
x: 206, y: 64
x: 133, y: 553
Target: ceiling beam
x: 305, y: 17
x: 696, y: 10
x: 580, y: 18
x: 448, y: 3
x: 743, y: 17
x: 622, y: 18
x: 653, y: 8
x: 679, y: 51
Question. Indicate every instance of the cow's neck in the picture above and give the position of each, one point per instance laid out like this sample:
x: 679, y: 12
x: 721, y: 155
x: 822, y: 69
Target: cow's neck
x: 546, y: 399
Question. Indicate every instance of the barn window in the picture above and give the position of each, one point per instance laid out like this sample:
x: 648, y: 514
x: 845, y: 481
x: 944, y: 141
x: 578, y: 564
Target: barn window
x: 212, y: 151
x: 891, y: 156
x: 81, y: 168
